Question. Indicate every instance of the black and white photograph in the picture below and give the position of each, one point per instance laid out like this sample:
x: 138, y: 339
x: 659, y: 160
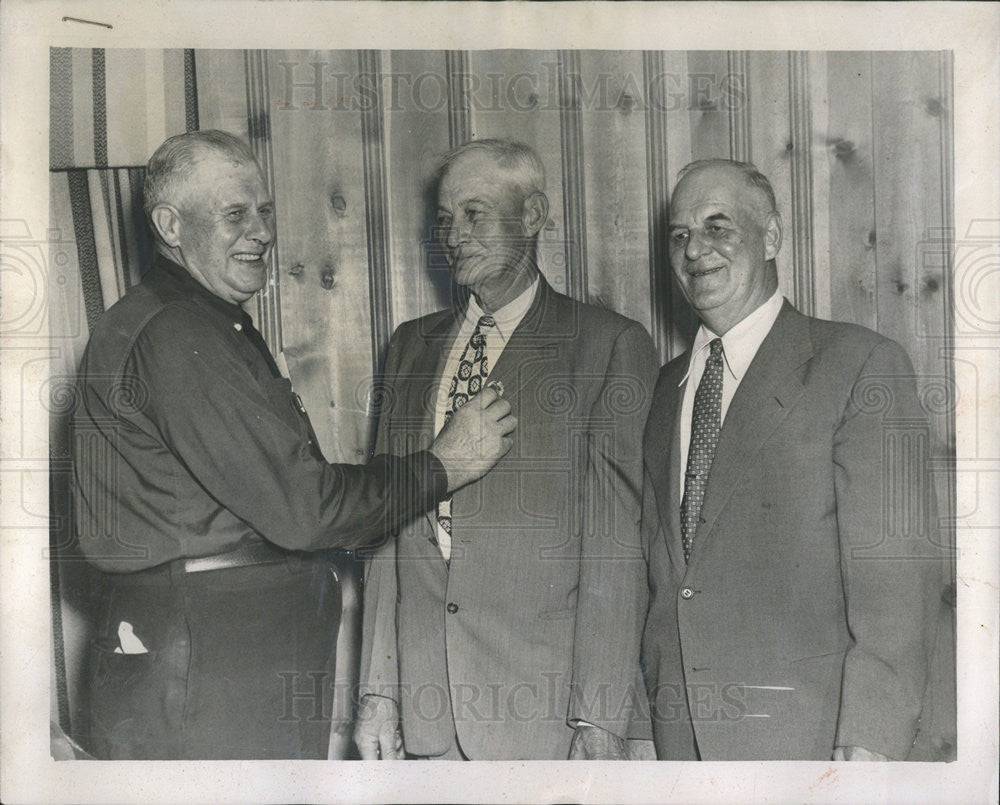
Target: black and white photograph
x: 469, y: 394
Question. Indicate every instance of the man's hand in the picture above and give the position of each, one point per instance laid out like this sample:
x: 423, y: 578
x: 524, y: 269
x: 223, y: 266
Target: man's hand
x: 593, y: 743
x: 377, y: 731
x: 475, y: 439
x: 857, y: 753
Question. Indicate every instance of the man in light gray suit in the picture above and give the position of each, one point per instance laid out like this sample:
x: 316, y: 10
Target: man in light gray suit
x: 506, y: 624
x: 794, y: 572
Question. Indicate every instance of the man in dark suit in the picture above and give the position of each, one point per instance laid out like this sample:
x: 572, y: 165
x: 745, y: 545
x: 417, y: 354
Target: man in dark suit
x: 790, y: 529
x: 506, y: 625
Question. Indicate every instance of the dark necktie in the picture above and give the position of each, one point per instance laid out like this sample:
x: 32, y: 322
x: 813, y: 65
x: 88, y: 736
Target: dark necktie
x: 706, y: 422
x: 473, y: 369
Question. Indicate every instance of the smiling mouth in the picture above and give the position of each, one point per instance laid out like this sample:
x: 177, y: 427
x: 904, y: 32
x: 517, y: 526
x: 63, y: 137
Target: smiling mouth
x: 248, y: 257
x: 705, y: 272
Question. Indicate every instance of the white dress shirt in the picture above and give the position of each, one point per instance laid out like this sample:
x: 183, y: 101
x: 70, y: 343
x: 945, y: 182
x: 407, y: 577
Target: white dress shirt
x: 739, y: 346
x: 506, y: 320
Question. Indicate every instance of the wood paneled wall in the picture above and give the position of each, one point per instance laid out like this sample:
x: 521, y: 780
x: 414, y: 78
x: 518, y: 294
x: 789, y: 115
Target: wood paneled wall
x: 857, y: 145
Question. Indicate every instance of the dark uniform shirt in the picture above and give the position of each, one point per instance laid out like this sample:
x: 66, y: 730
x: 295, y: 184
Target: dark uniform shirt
x: 187, y: 441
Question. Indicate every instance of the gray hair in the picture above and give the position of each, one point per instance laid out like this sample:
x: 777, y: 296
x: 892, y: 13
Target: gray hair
x: 754, y: 178
x: 516, y: 158
x: 173, y: 163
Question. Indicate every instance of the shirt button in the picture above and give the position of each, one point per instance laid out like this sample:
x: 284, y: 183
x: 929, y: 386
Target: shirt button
x: 687, y: 593
x: 452, y: 608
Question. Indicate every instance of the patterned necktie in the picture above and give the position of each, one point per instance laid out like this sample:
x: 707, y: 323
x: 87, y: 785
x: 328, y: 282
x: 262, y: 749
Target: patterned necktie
x: 473, y: 369
x: 706, y: 422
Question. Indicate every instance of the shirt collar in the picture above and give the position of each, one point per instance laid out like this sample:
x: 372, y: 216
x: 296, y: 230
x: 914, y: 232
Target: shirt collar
x: 741, y: 342
x: 190, y: 287
x: 509, y: 316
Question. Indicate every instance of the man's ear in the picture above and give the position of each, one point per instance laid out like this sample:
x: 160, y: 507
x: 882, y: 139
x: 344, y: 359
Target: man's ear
x: 167, y: 223
x: 772, y: 236
x: 535, y: 213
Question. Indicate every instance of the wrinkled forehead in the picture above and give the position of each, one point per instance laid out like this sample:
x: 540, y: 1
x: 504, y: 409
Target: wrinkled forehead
x: 717, y: 189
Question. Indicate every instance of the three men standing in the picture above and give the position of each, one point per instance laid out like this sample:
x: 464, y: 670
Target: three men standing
x: 506, y: 625
x: 792, y: 562
x: 789, y: 548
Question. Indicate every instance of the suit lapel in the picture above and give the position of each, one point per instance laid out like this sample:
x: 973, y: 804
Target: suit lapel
x: 428, y: 366
x: 535, y: 341
x: 527, y: 354
x: 767, y: 393
x: 663, y: 454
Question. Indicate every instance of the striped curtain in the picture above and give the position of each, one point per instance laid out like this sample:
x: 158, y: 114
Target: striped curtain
x: 101, y: 212
x: 112, y: 108
x: 109, y: 111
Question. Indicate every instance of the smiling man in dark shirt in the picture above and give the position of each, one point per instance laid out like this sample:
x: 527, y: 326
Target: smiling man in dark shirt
x: 198, y: 487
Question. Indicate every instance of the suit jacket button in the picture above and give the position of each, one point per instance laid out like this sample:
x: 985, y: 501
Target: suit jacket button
x: 687, y: 593
x: 453, y: 608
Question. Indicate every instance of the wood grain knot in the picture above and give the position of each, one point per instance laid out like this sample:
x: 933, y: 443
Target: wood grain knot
x: 843, y: 149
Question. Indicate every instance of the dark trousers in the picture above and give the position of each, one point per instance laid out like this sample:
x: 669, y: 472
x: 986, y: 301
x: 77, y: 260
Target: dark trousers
x: 239, y: 665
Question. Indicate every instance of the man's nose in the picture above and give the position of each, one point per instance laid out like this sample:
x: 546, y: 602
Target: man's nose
x: 456, y: 233
x: 260, y: 228
x: 696, y: 246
